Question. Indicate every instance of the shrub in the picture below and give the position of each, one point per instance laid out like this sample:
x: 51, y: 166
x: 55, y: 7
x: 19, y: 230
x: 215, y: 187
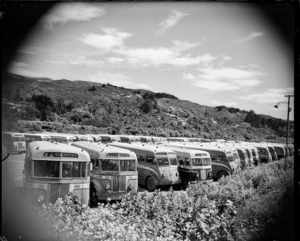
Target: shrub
x: 240, y: 207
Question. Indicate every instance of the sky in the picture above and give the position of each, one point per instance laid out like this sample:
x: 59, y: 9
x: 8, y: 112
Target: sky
x: 209, y: 53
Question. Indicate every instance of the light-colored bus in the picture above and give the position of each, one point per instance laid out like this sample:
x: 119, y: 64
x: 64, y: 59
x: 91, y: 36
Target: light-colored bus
x: 52, y: 170
x: 86, y: 138
x: 177, y: 139
x: 63, y: 138
x: 157, y: 166
x: 114, y: 172
x: 14, y: 142
x: 244, y: 157
x: 96, y: 138
x: 29, y: 137
x: 194, y: 165
x: 222, y: 161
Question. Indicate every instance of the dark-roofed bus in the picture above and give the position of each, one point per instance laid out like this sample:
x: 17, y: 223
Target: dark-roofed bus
x: 114, y: 172
x: 52, y: 170
x: 157, y: 166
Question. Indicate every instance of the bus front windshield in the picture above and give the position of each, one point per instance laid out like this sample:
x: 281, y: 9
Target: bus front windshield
x: 128, y: 165
x: 173, y: 161
x: 201, y: 161
x: 46, y: 169
x: 110, y: 165
x: 162, y: 161
x: 17, y: 138
x: 73, y: 169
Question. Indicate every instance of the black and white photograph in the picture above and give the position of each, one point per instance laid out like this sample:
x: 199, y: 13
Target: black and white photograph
x: 149, y: 120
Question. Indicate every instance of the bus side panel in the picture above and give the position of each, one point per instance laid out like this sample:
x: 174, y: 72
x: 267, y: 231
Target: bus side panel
x: 144, y: 171
x: 217, y: 166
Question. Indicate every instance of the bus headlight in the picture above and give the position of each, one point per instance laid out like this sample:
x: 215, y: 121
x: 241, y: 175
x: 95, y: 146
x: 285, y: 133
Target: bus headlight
x: 163, y: 175
x: 130, y: 187
x: 107, y: 187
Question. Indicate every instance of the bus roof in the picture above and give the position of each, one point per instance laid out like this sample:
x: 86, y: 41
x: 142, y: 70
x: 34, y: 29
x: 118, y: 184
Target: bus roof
x: 148, y: 149
x: 39, y: 148
x: 13, y: 133
x: 188, y: 151
x: 195, y: 146
x: 97, y: 149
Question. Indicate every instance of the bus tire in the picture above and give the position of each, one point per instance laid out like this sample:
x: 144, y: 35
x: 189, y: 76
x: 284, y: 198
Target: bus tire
x: 221, y: 174
x: 151, y: 183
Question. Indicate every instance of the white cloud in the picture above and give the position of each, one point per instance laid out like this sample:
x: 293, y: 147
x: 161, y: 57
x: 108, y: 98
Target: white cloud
x: 224, y: 79
x: 249, y: 37
x: 228, y: 104
x: 22, y: 68
x: 188, y: 76
x: 268, y: 96
x: 116, y: 79
x: 65, y: 12
x: 112, y: 38
x: 114, y: 60
x: 164, y: 55
x: 171, y: 21
x: 181, y: 46
x: 76, y: 60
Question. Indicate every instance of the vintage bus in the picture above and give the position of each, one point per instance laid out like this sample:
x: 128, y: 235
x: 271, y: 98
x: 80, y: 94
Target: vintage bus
x: 14, y: 142
x: 65, y: 139
x: 177, y: 139
x: 157, y: 166
x: 52, y: 170
x: 86, y: 138
x: 264, y: 154
x: 96, y: 138
x: 129, y: 139
x: 114, y: 172
x: 223, y: 163
x: 36, y: 137
x: 245, y: 159
x: 272, y: 152
x: 280, y: 151
x: 109, y: 138
x: 194, y: 165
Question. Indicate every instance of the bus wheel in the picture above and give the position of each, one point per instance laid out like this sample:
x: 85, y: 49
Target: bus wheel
x: 222, y: 174
x: 151, y: 183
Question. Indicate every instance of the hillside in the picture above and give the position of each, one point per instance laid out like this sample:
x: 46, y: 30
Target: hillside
x: 86, y: 107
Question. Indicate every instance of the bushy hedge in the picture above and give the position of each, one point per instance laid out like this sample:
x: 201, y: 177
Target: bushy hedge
x: 246, y: 206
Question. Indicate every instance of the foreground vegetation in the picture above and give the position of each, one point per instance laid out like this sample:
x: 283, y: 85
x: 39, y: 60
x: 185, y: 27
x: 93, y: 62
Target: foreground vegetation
x: 256, y: 204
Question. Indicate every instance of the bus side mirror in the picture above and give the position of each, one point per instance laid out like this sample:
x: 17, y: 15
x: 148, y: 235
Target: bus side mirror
x: 91, y: 166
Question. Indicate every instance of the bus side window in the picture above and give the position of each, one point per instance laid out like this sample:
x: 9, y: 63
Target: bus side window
x: 181, y: 162
x: 213, y: 158
x: 149, y: 160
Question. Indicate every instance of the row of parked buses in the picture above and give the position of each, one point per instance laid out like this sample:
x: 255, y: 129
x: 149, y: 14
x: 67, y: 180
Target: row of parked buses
x: 97, y: 171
